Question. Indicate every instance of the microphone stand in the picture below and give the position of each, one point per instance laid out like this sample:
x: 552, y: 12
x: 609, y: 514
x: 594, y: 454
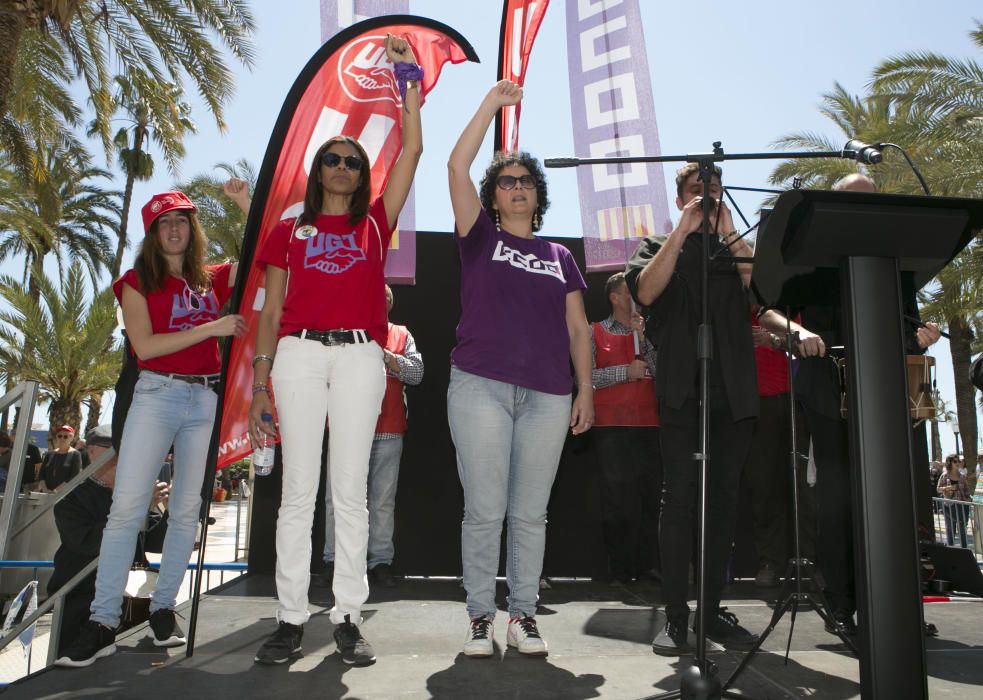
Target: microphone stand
x: 700, y: 682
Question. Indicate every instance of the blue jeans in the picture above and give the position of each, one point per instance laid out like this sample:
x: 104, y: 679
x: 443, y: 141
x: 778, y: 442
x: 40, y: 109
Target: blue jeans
x: 164, y: 412
x: 508, y: 440
x: 383, y: 479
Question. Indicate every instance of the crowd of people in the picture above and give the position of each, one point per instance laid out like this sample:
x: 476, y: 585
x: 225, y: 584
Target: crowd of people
x: 327, y: 358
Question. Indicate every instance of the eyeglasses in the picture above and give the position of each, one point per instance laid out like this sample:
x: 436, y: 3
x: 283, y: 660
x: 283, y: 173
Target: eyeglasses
x: 508, y: 182
x: 332, y: 159
x: 63, y: 437
x: 192, y: 299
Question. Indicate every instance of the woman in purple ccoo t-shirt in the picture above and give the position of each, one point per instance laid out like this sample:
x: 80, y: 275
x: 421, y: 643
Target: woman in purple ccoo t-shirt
x: 508, y: 403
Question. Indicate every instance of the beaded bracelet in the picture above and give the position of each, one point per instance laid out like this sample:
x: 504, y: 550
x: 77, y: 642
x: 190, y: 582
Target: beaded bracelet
x: 257, y: 388
x: 261, y: 358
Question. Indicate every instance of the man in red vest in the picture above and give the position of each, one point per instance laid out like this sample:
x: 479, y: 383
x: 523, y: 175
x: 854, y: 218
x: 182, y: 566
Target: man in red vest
x: 404, y: 366
x: 626, y: 437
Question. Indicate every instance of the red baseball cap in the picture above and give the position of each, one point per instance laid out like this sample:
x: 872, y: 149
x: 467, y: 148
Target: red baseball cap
x: 66, y: 429
x: 163, y: 203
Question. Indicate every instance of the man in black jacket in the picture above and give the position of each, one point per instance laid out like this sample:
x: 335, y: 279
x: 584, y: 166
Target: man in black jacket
x: 80, y: 518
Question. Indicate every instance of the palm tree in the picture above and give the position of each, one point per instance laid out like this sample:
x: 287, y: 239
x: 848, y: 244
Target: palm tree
x: 40, y: 106
x: 221, y: 219
x: 154, y: 113
x: 950, y: 91
x: 167, y: 40
x: 66, y: 334
x: 946, y: 163
x: 948, y: 87
x: 60, y: 209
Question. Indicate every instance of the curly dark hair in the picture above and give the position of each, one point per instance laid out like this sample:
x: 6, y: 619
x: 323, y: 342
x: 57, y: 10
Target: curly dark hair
x: 503, y: 159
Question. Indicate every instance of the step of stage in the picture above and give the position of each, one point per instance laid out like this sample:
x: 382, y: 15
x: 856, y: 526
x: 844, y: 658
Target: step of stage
x: 599, y: 646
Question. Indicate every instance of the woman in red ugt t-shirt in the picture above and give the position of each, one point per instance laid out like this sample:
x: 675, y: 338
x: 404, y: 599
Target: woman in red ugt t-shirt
x: 324, y: 317
x: 170, y: 301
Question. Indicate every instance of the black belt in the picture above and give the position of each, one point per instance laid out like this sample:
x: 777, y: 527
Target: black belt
x: 334, y: 337
x: 209, y: 381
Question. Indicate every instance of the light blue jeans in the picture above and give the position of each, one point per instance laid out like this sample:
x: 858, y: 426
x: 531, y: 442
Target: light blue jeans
x: 508, y: 440
x: 164, y: 412
x: 383, y: 479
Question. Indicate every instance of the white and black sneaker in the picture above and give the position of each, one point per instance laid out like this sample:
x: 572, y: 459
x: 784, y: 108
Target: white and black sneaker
x: 524, y: 636
x: 167, y: 632
x: 94, y: 641
x: 480, y: 642
x: 282, y: 645
x: 354, y: 649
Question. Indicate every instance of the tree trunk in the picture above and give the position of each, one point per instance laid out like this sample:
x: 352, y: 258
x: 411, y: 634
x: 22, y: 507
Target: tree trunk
x: 12, y: 24
x: 124, y: 215
x: 960, y: 346
x: 63, y: 412
x: 95, y: 411
x: 936, y: 442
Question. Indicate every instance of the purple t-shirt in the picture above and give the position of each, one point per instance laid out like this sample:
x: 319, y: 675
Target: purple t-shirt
x: 513, y: 325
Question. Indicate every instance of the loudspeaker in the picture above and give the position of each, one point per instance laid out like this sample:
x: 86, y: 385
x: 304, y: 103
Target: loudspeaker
x: 956, y: 565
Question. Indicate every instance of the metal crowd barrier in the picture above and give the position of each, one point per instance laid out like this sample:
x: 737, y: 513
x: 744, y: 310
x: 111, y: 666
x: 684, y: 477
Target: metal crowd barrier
x: 959, y: 523
x: 55, y: 602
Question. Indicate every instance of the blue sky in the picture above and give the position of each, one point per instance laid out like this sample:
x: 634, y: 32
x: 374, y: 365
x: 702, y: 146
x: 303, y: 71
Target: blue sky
x: 743, y: 73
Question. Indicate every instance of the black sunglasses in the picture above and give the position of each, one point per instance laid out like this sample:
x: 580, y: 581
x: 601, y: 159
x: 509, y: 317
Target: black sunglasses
x: 62, y: 437
x: 332, y: 159
x: 508, y: 182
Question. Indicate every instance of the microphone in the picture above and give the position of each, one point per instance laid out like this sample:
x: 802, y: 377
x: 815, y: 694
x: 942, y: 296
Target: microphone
x: 561, y: 162
x: 862, y: 152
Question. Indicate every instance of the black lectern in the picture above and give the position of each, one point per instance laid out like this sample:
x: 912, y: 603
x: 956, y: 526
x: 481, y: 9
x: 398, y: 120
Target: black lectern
x: 824, y: 248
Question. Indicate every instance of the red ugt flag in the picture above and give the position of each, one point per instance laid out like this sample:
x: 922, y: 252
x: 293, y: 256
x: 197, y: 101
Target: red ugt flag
x: 520, y: 23
x: 346, y: 88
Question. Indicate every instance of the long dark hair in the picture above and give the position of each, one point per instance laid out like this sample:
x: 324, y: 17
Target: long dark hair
x: 314, y: 195
x: 151, y: 265
x: 504, y: 159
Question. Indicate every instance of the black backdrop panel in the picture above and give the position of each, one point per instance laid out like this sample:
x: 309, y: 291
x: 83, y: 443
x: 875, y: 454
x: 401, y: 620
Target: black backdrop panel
x: 429, y: 503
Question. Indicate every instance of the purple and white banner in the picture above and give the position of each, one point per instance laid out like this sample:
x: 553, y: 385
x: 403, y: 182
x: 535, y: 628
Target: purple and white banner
x: 335, y: 16
x: 613, y: 115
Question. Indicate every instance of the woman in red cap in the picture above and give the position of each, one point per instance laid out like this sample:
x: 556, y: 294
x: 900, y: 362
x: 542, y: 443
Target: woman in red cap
x: 170, y: 301
x: 61, y: 462
x: 327, y: 330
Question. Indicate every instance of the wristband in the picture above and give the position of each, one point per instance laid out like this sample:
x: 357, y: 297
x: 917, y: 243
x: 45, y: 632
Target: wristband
x: 405, y: 72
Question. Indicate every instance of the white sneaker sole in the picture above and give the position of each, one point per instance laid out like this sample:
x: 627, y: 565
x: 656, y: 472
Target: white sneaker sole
x: 479, y: 652
x: 66, y: 662
x: 538, y: 651
x: 273, y: 662
x: 172, y: 641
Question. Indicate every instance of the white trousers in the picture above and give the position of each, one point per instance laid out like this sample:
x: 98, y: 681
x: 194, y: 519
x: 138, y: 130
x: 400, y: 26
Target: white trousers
x: 312, y: 381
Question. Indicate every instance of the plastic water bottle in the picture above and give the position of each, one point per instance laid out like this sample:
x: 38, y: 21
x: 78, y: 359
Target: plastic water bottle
x: 263, y: 455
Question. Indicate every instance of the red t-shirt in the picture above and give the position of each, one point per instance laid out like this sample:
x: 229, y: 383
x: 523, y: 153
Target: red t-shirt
x: 335, y: 278
x: 177, y: 307
x: 772, y: 371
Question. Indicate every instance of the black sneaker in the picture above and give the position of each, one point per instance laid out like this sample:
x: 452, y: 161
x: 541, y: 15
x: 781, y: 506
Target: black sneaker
x: 725, y: 629
x: 282, y: 645
x: 673, y: 639
x: 844, y: 624
x: 93, y: 642
x: 382, y: 574
x: 352, y: 646
x: 167, y: 632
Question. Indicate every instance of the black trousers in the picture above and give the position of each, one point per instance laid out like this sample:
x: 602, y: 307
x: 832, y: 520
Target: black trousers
x: 729, y: 444
x: 630, y: 467
x: 767, y: 475
x: 834, y: 501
